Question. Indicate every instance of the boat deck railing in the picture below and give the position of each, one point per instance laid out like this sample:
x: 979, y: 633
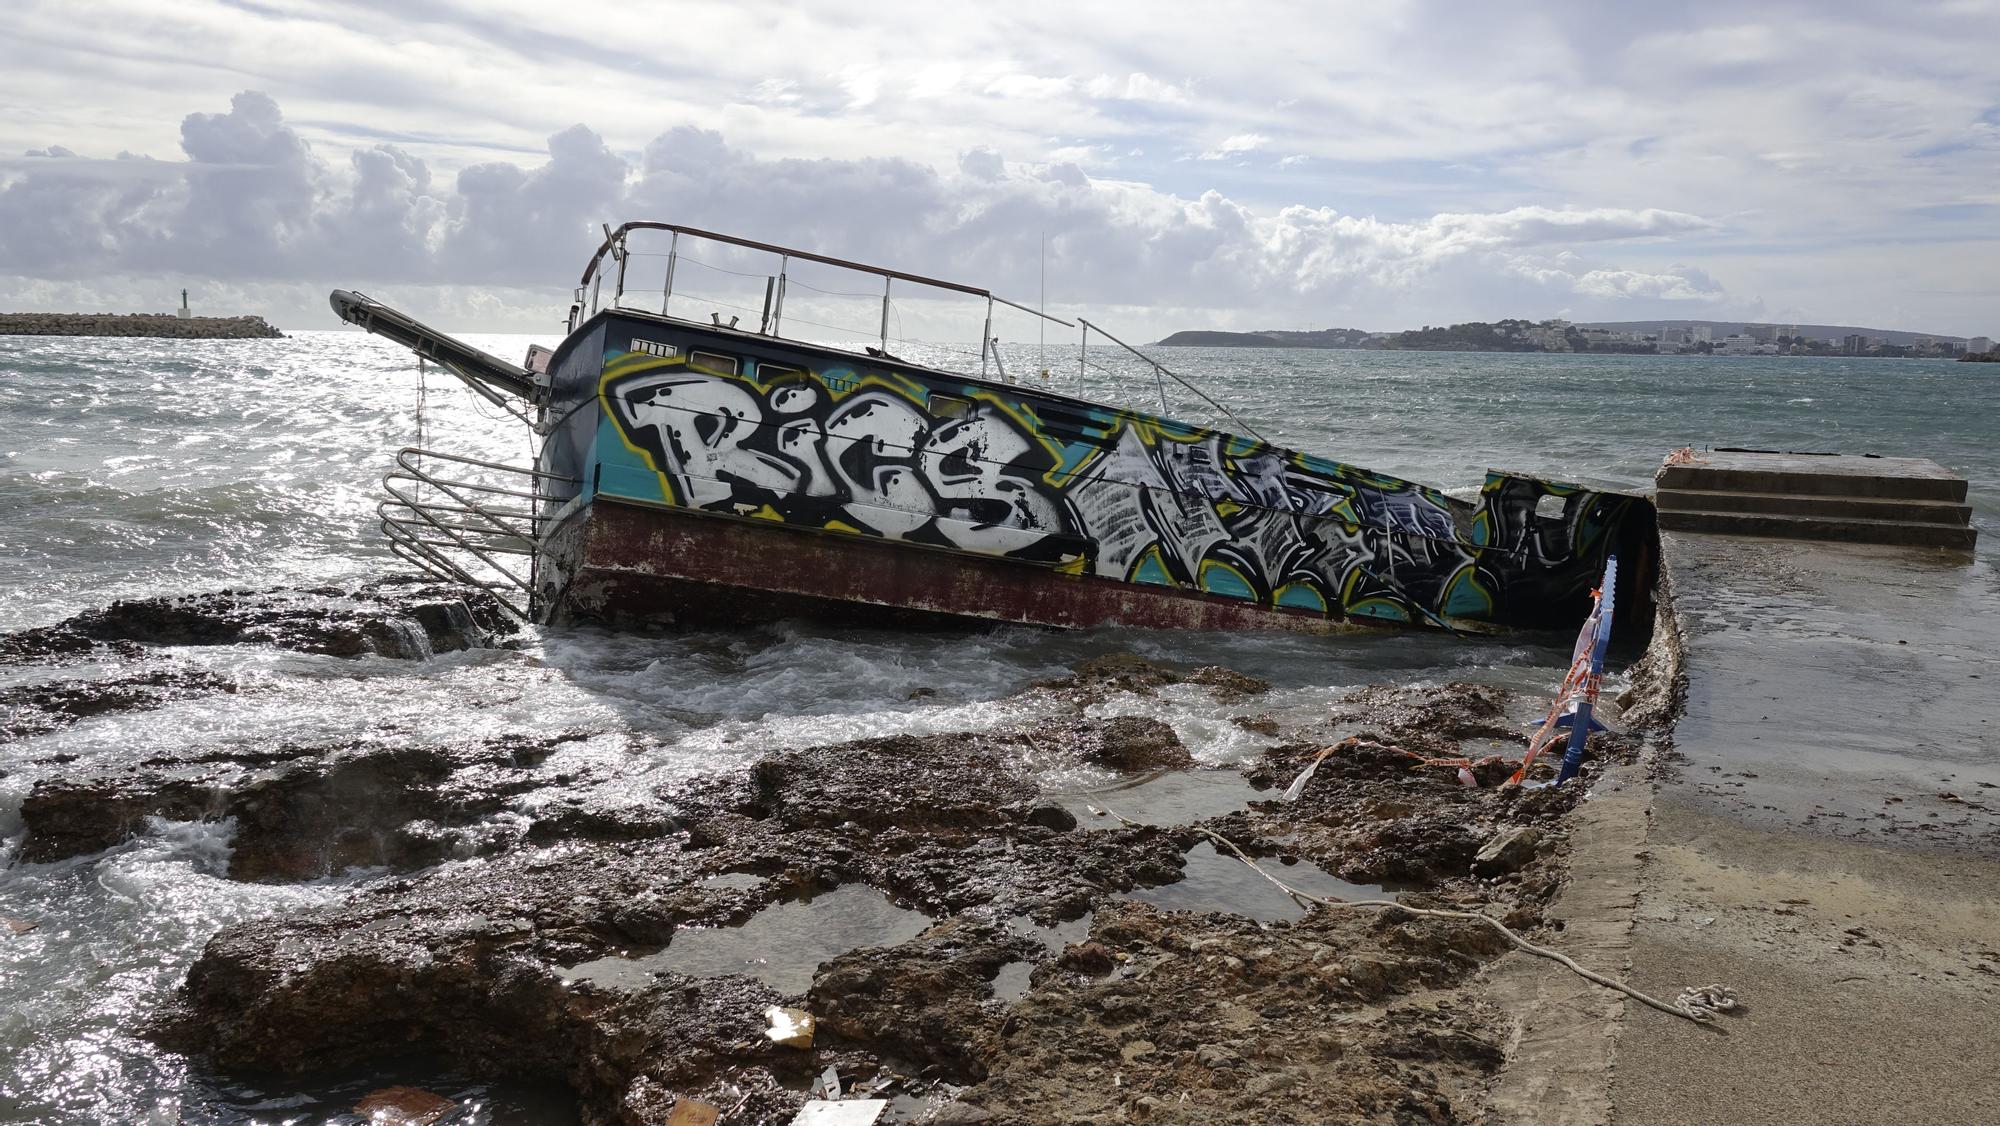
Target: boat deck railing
x: 590, y: 288
x: 588, y: 296
x: 463, y: 519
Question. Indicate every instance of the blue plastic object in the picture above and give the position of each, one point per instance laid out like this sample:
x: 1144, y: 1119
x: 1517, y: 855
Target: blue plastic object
x: 1581, y: 723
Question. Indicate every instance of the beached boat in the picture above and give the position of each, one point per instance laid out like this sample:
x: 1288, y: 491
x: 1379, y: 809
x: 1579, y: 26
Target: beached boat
x: 690, y: 471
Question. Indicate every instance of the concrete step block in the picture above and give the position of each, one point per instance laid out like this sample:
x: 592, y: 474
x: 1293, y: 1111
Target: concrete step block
x: 1709, y: 478
x: 1829, y: 505
x: 1842, y: 529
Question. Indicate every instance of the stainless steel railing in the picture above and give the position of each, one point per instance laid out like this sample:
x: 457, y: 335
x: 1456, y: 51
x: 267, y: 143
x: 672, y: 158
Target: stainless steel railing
x: 461, y: 519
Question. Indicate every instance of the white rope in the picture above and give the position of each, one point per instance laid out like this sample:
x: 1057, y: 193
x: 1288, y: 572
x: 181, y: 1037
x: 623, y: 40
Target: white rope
x: 1698, y: 1005
x: 1706, y: 1000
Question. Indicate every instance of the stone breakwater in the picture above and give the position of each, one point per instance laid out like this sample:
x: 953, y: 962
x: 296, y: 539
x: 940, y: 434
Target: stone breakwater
x: 136, y: 324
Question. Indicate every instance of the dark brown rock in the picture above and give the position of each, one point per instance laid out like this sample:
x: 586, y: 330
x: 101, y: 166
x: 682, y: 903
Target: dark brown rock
x: 1507, y: 850
x: 1228, y: 685
x: 301, y: 811
x: 1113, y: 672
x: 1131, y: 743
x: 37, y: 709
x: 926, y: 1000
x: 1087, y: 958
x: 391, y: 619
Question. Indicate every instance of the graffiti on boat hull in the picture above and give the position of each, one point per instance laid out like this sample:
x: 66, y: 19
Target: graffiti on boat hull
x: 1086, y: 489
x: 870, y: 462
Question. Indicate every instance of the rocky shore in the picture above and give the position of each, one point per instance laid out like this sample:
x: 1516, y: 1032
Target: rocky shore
x: 136, y: 324
x: 1035, y: 958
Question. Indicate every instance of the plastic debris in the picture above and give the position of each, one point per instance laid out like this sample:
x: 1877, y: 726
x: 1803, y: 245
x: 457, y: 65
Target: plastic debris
x: 692, y: 1112
x: 404, y: 1106
x: 1298, y: 785
x: 827, y: 1086
x: 792, y: 1028
x: 846, y: 1112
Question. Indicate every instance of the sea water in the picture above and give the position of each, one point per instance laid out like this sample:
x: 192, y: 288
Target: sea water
x: 146, y: 467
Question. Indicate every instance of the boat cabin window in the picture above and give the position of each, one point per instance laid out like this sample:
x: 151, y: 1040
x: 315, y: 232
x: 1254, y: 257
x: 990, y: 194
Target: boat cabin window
x: 1550, y: 507
x: 713, y: 361
x: 654, y: 348
x: 771, y: 373
x: 950, y: 406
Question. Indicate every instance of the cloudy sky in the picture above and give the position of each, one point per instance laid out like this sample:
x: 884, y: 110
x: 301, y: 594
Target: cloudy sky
x: 1375, y: 165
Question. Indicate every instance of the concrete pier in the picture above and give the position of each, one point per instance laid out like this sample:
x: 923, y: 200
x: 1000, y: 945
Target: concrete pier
x: 1825, y: 837
x: 1891, y: 500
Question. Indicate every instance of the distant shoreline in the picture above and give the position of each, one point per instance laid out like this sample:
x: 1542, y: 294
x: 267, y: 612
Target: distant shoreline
x: 1564, y: 338
x: 163, y: 325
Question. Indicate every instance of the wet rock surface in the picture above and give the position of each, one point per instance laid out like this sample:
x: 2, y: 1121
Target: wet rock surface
x: 1343, y: 1016
x: 391, y: 618
x: 1433, y: 720
x: 928, y: 1001
x: 1376, y: 812
x: 301, y: 812
x: 1127, y: 743
x: 1358, y: 1014
x: 37, y: 709
x: 470, y: 955
x: 536, y: 919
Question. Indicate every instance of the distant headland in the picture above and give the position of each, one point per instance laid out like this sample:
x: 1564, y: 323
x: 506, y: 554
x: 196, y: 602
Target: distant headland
x: 1709, y: 338
x: 136, y: 324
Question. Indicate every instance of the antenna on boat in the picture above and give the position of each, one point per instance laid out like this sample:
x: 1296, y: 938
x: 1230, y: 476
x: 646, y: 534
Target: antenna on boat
x: 1042, y: 326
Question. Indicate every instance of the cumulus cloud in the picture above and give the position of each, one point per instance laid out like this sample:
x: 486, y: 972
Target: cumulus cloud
x: 1570, y: 273
x: 1236, y: 144
x: 253, y: 202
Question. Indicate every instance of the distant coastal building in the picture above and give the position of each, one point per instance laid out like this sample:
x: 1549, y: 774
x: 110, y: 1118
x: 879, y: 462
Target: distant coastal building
x: 1762, y: 334
x: 1855, y: 344
x: 184, y: 312
x: 1979, y: 344
x: 1744, y: 344
x: 1551, y: 336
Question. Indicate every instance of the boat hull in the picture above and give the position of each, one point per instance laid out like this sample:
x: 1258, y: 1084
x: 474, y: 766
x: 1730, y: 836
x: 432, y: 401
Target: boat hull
x: 724, y: 475
x: 630, y: 565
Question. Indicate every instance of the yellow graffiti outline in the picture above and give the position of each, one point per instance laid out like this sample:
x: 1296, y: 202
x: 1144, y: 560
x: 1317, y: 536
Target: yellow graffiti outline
x: 638, y: 363
x: 1023, y: 414
x: 1201, y: 581
x: 620, y: 368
